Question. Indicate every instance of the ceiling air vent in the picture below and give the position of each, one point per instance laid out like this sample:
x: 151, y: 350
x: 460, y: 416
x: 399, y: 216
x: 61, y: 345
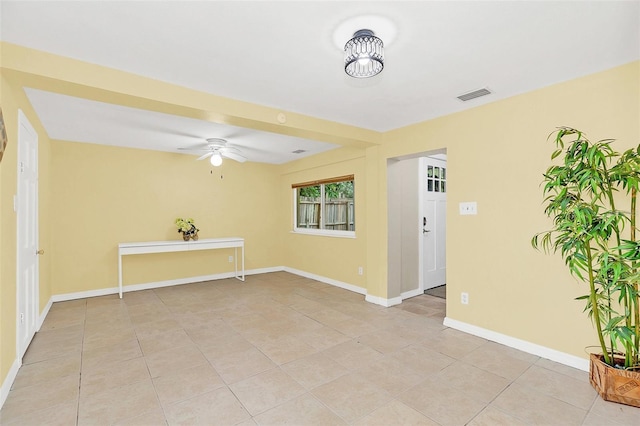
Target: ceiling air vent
x: 298, y: 151
x: 475, y: 94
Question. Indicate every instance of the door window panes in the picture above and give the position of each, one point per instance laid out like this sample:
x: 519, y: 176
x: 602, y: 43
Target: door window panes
x: 436, y: 179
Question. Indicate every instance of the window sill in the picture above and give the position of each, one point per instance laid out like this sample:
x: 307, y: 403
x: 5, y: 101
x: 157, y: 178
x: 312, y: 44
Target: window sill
x: 325, y: 233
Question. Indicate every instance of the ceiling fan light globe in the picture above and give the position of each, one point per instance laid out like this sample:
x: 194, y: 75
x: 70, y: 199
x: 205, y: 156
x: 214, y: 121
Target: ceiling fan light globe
x: 216, y: 160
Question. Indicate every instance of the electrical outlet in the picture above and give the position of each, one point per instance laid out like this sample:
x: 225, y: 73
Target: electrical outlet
x: 360, y: 270
x: 464, y: 298
x: 230, y: 259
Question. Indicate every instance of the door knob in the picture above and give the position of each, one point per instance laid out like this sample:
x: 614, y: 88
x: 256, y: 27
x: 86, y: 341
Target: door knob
x: 41, y: 251
x: 424, y: 231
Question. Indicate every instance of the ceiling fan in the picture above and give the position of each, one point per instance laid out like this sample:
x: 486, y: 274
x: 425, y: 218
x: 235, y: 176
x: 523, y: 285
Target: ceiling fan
x: 216, y: 148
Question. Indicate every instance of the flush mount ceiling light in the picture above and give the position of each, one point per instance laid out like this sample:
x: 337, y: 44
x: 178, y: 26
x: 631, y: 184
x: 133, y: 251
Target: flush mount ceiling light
x: 364, y: 50
x: 364, y: 55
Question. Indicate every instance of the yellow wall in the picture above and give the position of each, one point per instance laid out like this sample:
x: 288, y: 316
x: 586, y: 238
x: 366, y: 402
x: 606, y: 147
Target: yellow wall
x: 106, y: 195
x: 332, y: 257
x: 496, y: 156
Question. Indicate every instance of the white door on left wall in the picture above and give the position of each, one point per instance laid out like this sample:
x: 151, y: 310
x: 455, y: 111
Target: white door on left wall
x: 27, y: 279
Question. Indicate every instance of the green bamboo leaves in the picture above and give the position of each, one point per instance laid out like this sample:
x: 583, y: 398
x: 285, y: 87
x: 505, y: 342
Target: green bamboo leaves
x: 596, y: 240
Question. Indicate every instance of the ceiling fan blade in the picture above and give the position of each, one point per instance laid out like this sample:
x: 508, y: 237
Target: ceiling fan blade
x: 208, y: 154
x: 232, y: 155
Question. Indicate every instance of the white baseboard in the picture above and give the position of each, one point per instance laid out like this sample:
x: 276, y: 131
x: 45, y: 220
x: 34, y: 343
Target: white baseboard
x: 382, y: 301
x: 8, y: 381
x: 411, y: 293
x: 326, y: 280
x: 522, y: 345
x: 156, y: 284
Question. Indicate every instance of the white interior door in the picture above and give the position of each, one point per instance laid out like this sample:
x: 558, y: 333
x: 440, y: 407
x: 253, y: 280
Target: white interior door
x: 27, y: 234
x: 434, y: 176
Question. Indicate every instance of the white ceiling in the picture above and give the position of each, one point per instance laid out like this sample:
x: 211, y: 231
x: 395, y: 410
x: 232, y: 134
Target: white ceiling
x: 282, y: 55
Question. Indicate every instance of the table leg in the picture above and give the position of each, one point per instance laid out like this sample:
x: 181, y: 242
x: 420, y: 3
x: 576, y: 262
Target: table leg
x: 120, y: 275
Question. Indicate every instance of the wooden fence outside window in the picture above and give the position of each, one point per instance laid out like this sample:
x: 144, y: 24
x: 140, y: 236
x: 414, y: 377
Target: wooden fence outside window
x: 338, y: 215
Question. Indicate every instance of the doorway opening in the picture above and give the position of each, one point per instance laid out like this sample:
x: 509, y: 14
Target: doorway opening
x: 417, y: 189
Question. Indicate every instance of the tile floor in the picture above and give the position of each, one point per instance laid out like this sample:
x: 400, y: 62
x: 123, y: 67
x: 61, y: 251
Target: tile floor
x: 281, y: 349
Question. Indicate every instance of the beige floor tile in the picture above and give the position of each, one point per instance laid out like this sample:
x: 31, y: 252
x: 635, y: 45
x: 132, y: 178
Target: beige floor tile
x: 323, y: 338
x: 391, y: 375
x: 226, y: 345
x: 118, y: 374
x: 353, y: 355
x: 328, y: 316
x: 396, y: 413
x: 116, y: 404
x: 454, y: 343
x: 107, y: 337
x: 532, y: 407
x: 54, y: 343
x: 385, y: 341
x: 61, y: 318
x: 43, y: 371
x: 574, y: 373
x: 151, y: 329
x: 40, y: 396
x: 187, y: 383
x: 492, y: 417
x: 237, y: 366
x: 199, y: 338
x: 69, y: 304
x: 64, y: 414
x: 354, y: 327
x: 211, y: 318
x: 142, y: 297
x: 351, y: 397
x: 443, y: 404
x: 422, y: 359
x: 164, y: 340
x: 212, y: 333
x: 266, y: 390
x: 304, y: 410
x: 150, y: 313
x: 474, y: 382
x: 171, y: 360
x: 152, y: 417
x: 286, y: 349
x: 498, y: 359
x: 619, y: 414
x: 101, y: 358
x: 314, y: 370
x: 202, y: 410
x: 560, y: 386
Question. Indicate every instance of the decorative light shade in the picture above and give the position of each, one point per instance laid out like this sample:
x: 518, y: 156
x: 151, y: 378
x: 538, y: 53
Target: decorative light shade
x: 363, y: 55
x: 216, y: 159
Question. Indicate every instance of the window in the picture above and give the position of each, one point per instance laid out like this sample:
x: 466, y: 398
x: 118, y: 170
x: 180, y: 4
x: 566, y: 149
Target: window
x: 436, y: 179
x: 325, y: 207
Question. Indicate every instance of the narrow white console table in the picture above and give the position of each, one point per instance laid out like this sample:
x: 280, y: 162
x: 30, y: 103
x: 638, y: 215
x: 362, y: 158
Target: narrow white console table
x: 125, y: 249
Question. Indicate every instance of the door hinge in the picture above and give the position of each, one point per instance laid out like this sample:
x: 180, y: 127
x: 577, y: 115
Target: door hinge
x: 21, y: 167
x: 21, y: 318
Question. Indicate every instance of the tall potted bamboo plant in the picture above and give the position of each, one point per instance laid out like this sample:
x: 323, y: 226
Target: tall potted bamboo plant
x: 590, y: 193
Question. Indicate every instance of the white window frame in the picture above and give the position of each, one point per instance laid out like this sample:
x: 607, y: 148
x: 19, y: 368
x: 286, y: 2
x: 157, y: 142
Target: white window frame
x: 321, y: 231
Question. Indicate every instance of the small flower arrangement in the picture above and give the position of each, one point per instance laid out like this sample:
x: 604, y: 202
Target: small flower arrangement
x: 187, y: 228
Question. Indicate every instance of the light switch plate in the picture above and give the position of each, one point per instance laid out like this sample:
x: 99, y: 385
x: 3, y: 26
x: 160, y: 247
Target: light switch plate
x: 469, y: 208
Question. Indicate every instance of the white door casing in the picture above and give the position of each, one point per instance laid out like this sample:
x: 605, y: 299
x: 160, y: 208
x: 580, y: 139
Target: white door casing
x: 27, y: 279
x: 434, y: 206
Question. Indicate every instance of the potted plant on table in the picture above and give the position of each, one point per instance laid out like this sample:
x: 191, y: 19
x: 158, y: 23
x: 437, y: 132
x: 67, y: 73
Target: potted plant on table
x: 187, y: 228
x: 591, y: 197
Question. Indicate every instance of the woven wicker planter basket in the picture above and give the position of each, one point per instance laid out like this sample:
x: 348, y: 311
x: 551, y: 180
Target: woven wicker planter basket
x: 612, y: 384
